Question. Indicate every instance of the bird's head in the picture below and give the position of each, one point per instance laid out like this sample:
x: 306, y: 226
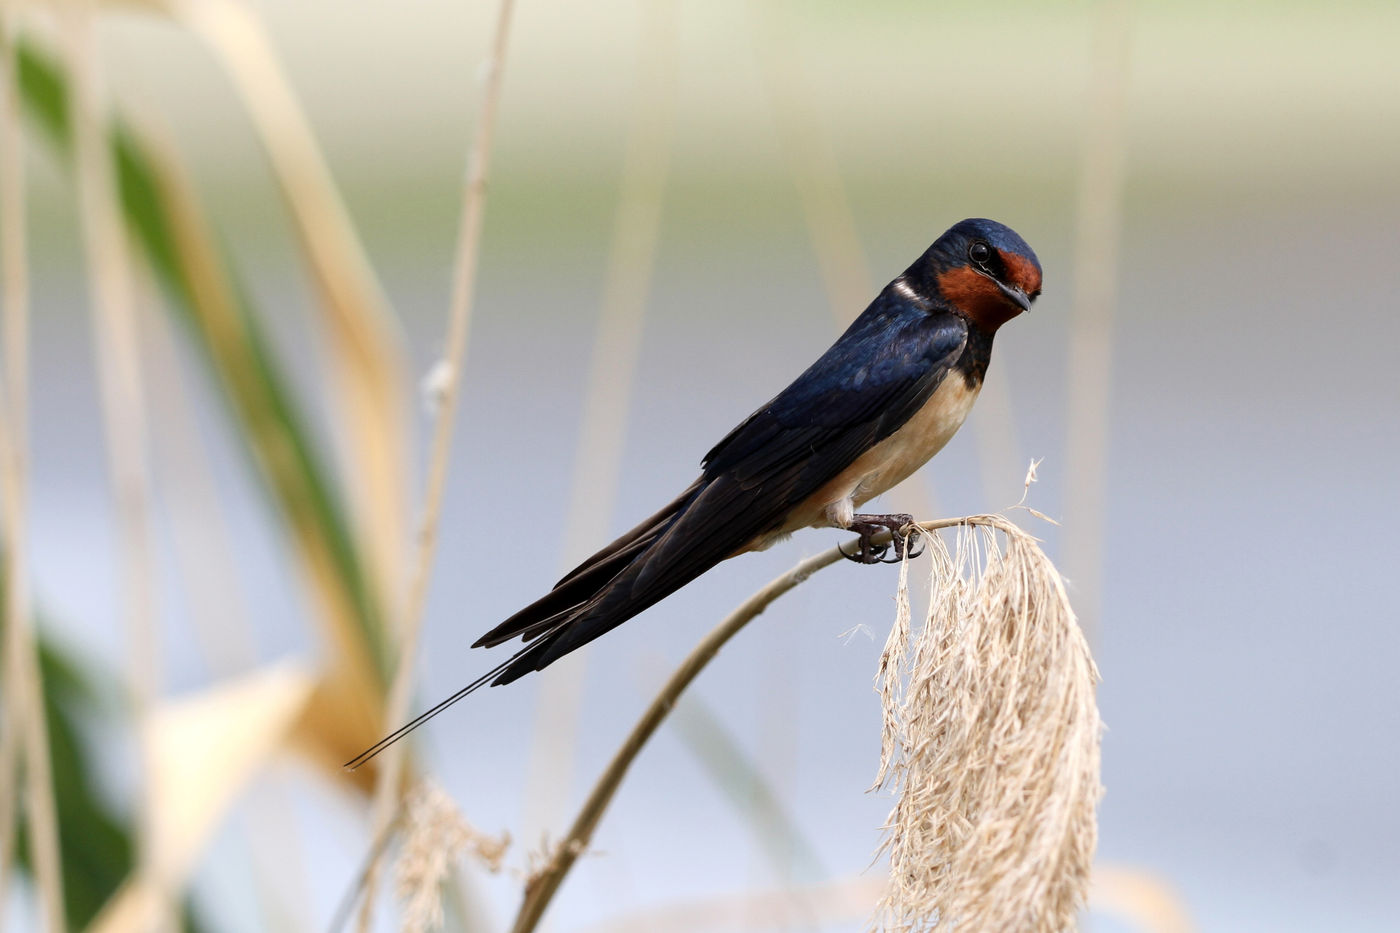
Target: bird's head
x: 982, y: 269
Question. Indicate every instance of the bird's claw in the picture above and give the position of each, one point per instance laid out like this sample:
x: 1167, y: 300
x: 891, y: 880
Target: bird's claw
x: 903, y: 546
x: 868, y: 552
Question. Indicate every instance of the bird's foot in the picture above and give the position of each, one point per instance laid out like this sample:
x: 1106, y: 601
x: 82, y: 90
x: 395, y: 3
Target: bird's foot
x: 867, y: 526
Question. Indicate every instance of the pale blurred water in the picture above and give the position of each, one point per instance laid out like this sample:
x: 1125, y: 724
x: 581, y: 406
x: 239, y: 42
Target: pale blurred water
x: 1249, y: 638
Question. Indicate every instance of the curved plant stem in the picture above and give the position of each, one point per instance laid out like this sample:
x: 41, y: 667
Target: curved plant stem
x: 543, y: 884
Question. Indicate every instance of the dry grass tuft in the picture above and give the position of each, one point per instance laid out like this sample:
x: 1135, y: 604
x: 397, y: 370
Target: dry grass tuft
x: 990, y: 742
x: 435, y: 835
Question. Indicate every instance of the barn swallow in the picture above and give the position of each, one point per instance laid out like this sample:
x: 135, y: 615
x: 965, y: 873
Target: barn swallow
x: 874, y: 408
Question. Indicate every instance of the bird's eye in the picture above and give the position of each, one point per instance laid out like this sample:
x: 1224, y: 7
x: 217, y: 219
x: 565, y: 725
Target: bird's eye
x: 979, y: 252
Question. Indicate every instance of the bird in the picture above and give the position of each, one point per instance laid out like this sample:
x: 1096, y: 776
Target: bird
x: 888, y: 395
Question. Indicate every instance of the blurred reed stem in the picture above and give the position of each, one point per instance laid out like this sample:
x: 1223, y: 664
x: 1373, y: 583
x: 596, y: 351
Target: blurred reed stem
x: 14, y: 281
x: 117, y: 348
x: 611, y: 374
x: 1097, y: 236
x: 811, y: 161
x: 387, y: 791
x: 24, y: 731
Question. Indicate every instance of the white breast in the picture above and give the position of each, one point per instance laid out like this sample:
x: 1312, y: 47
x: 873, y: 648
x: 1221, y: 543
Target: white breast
x: 895, y: 458
x: 887, y: 463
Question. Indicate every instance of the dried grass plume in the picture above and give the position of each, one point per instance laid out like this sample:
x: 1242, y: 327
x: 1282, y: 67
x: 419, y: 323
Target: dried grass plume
x: 435, y: 834
x: 990, y: 743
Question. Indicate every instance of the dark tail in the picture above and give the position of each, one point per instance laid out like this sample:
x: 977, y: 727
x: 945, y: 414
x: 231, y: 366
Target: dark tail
x: 590, y: 600
x: 583, y: 605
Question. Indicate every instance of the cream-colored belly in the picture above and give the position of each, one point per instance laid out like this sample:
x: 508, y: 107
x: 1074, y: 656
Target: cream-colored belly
x: 892, y: 460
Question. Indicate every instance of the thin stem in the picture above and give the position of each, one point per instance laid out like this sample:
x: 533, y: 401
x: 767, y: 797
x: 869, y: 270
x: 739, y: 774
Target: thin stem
x: 118, y: 351
x: 25, y: 727
x: 463, y: 291
x: 543, y: 885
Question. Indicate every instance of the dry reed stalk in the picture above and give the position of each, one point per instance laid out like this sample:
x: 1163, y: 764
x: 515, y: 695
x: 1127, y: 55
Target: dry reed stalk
x: 435, y: 835
x: 116, y: 335
x: 14, y: 432
x: 1099, y: 229
x: 387, y: 788
x: 24, y: 731
x: 366, y: 346
x: 117, y: 342
x: 990, y: 742
x: 602, y: 428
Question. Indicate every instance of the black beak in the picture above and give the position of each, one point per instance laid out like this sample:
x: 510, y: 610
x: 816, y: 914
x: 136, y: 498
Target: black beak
x: 1016, y: 294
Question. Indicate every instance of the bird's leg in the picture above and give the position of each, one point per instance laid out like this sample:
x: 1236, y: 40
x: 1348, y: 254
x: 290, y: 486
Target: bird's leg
x: 869, y: 525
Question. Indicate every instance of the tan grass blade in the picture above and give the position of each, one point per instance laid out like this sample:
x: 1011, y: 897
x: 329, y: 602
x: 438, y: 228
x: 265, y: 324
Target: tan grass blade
x: 1102, y: 173
x: 366, y: 350
x: 991, y: 744
x: 200, y: 752
x: 24, y: 749
x: 117, y: 342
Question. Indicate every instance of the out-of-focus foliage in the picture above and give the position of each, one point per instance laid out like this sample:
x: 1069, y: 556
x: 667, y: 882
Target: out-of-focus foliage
x: 275, y: 431
x: 96, y: 839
